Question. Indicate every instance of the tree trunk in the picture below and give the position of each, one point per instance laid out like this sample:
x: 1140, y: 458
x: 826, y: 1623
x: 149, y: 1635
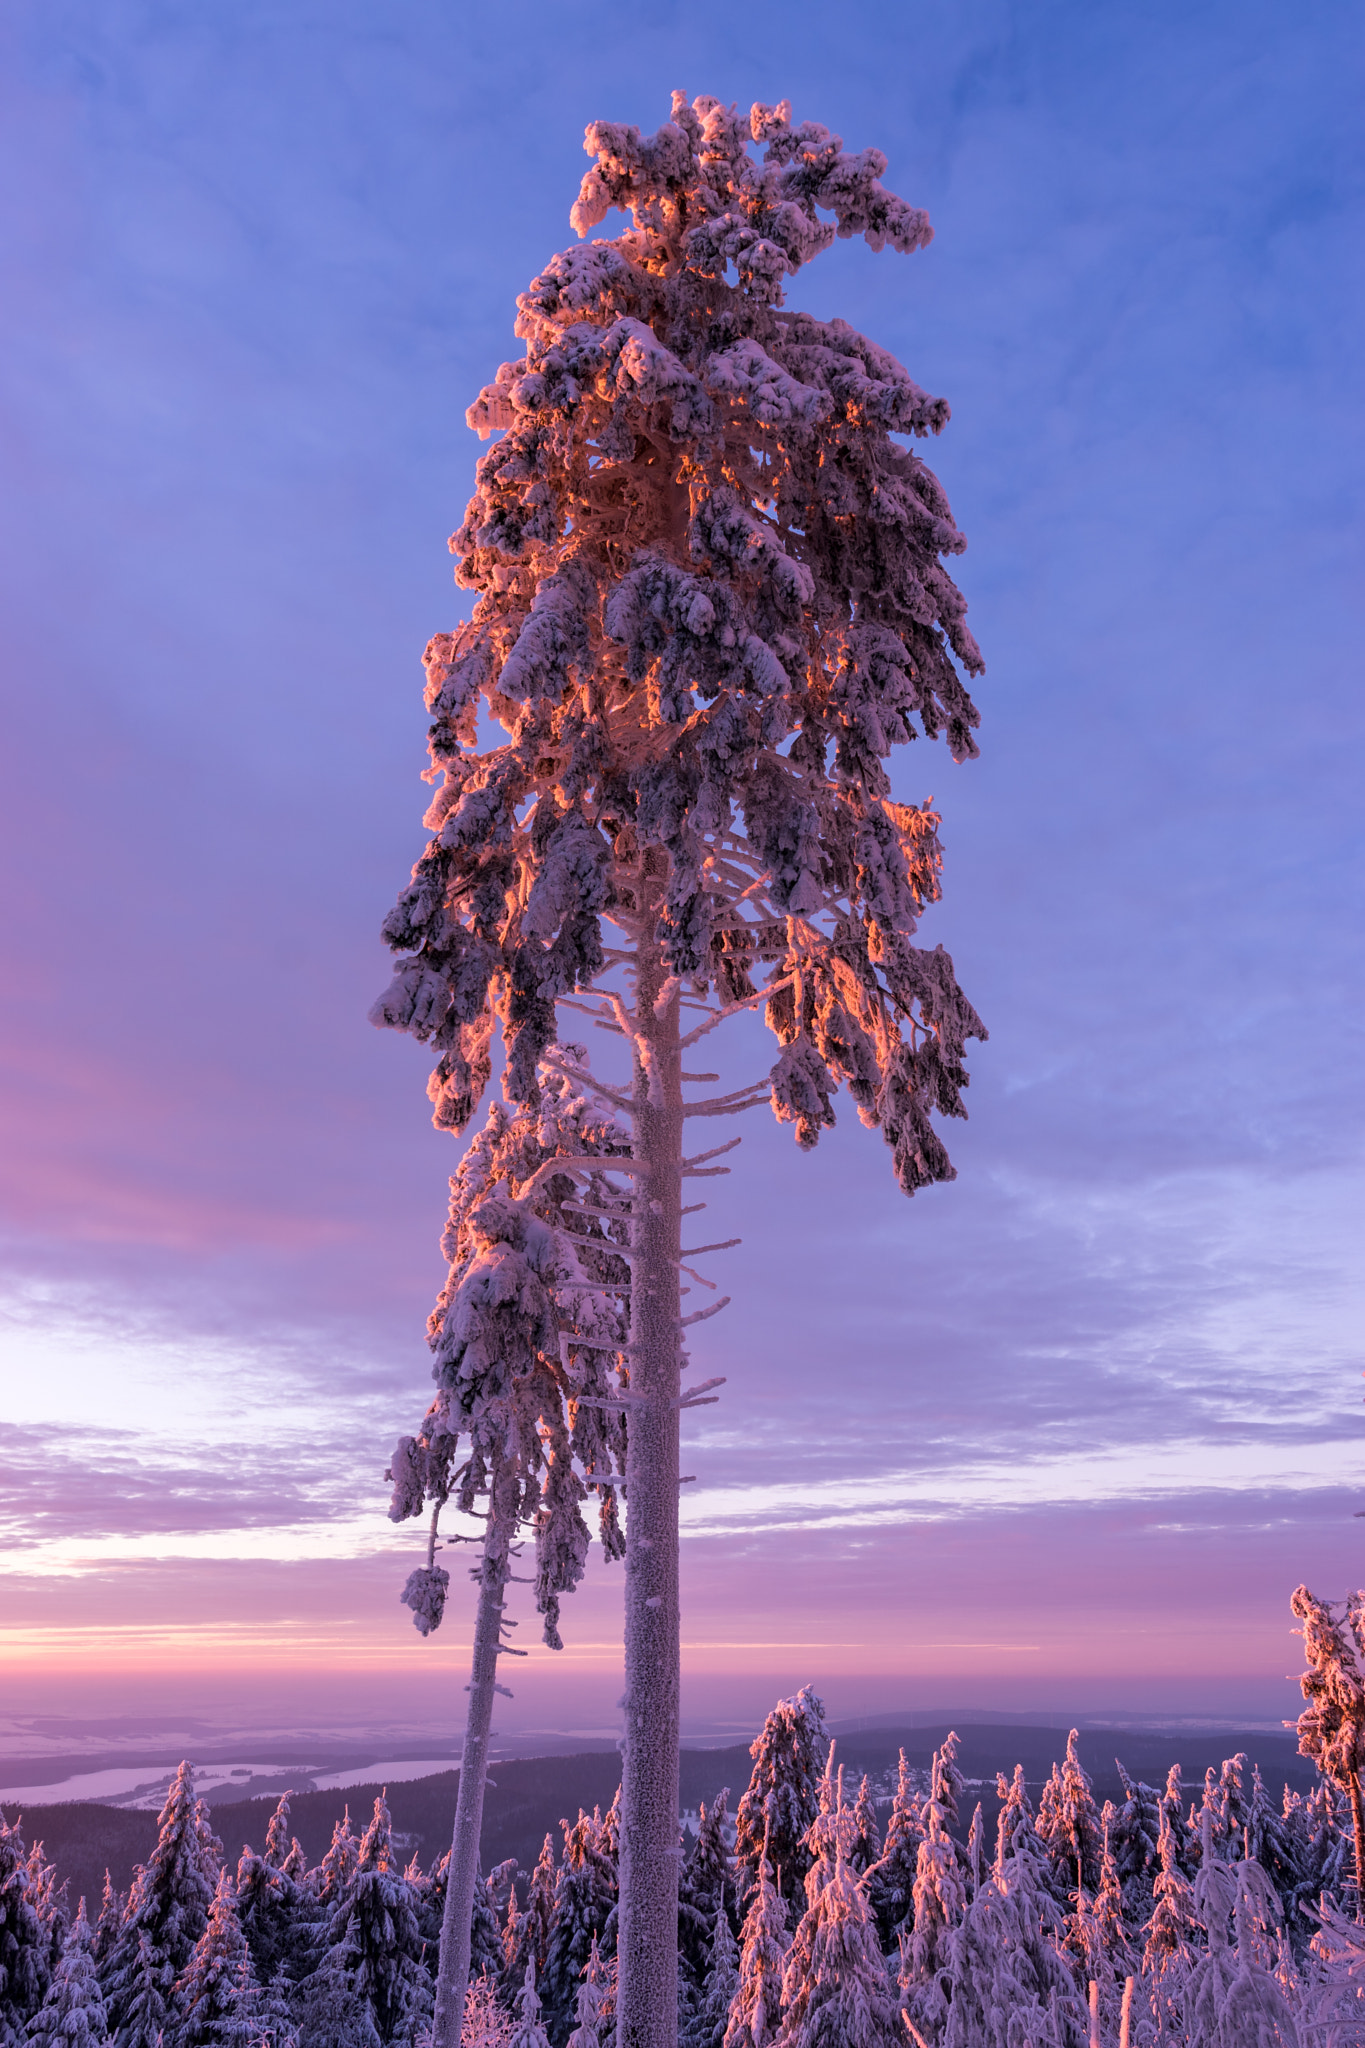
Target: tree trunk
x: 452, y: 1976
x: 1358, y: 1820
x: 647, y: 1945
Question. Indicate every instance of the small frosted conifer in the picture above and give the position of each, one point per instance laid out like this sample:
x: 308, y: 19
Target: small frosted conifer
x: 939, y: 1901
x: 112, y: 1904
x: 24, y: 1945
x: 585, y: 1898
x: 867, y: 1842
x: 1208, y: 1821
x: 1172, y: 1924
x: 946, y: 1782
x: 711, y: 599
x: 167, y: 1912
x: 273, y: 2021
x: 939, y: 1895
x: 538, y: 1920
x: 528, y: 2031
x: 891, y: 1880
x: 146, y: 1994
x: 1097, y: 1940
x: 72, y: 2015
x: 278, y: 1840
x: 512, y: 1936
x: 1019, y: 1847
x: 720, y: 1983
x: 1232, y: 2000
x: 1332, y: 1725
x: 1325, y: 1843
x: 371, y: 1966
x: 487, y: 2022
x: 338, y: 1866
x: 1268, y: 1843
x: 275, y: 1912
x: 216, y: 1994
x: 487, y: 1957
x: 835, y: 1987
x: 755, y: 2011
x: 1006, y: 1981
x: 1134, y: 1833
x: 50, y: 1903
x: 1068, y: 1822
x: 1107, y: 1910
x: 707, y: 1888
x: 485, y: 1938
x: 1237, y: 1788
x: 782, y: 1798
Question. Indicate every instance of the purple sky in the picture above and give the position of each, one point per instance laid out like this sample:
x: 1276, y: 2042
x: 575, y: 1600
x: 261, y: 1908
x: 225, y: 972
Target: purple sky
x: 1063, y: 1434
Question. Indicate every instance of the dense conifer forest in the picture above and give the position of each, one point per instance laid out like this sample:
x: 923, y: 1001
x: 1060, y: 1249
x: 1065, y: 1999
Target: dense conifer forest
x: 825, y: 1904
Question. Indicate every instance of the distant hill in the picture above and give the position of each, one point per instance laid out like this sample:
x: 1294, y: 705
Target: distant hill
x: 528, y: 1796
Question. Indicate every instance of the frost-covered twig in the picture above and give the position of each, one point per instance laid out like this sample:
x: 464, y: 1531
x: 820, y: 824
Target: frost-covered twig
x: 703, y: 1315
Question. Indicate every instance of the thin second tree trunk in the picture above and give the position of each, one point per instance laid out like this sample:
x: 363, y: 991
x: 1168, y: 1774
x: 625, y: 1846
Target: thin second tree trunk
x: 1358, y: 1820
x: 647, y: 1945
x: 452, y: 1976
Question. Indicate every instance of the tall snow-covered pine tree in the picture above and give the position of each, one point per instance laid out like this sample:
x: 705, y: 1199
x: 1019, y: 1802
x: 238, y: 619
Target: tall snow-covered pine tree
x: 711, y: 598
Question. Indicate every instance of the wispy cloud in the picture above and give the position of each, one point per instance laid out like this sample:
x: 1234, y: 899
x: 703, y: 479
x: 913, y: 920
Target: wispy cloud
x: 81, y: 1492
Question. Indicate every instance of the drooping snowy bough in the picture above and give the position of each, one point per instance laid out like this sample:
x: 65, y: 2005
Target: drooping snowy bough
x: 525, y: 1334
x: 711, y: 599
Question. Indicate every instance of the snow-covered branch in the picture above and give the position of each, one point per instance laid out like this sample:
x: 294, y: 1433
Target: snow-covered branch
x: 761, y: 995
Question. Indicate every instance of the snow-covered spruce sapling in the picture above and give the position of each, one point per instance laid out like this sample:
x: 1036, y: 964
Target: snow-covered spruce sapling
x: 1232, y: 2000
x: 1134, y: 1833
x: 710, y: 600
x: 940, y: 1900
x: 718, y: 1991
x: 487, y: 2022
x: 168, y: 1910
x: 50, y: 1902
x: 585, y: 1898
x: 525, y: 1334
x: 706, y: 1888
x: 756, y: 2010
x: 867, y: 1843
x: 1331, y: 1728
x: 112, y: 1903
x: 835, y: 1986
x: 1007, y: 1982
x: 217, y: 1992
x: 782, y: 1798
x: 72, y: 2015
x: 329, y: 1880
x: 24, y: 1951
x: 891, y: 1880
x: 367, y: 1986
x: 528, y: 2032
x: 1069, y: 1824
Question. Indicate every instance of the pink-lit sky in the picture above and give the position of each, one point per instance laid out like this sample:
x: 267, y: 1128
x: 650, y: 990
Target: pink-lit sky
x: 1063, y: 1435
